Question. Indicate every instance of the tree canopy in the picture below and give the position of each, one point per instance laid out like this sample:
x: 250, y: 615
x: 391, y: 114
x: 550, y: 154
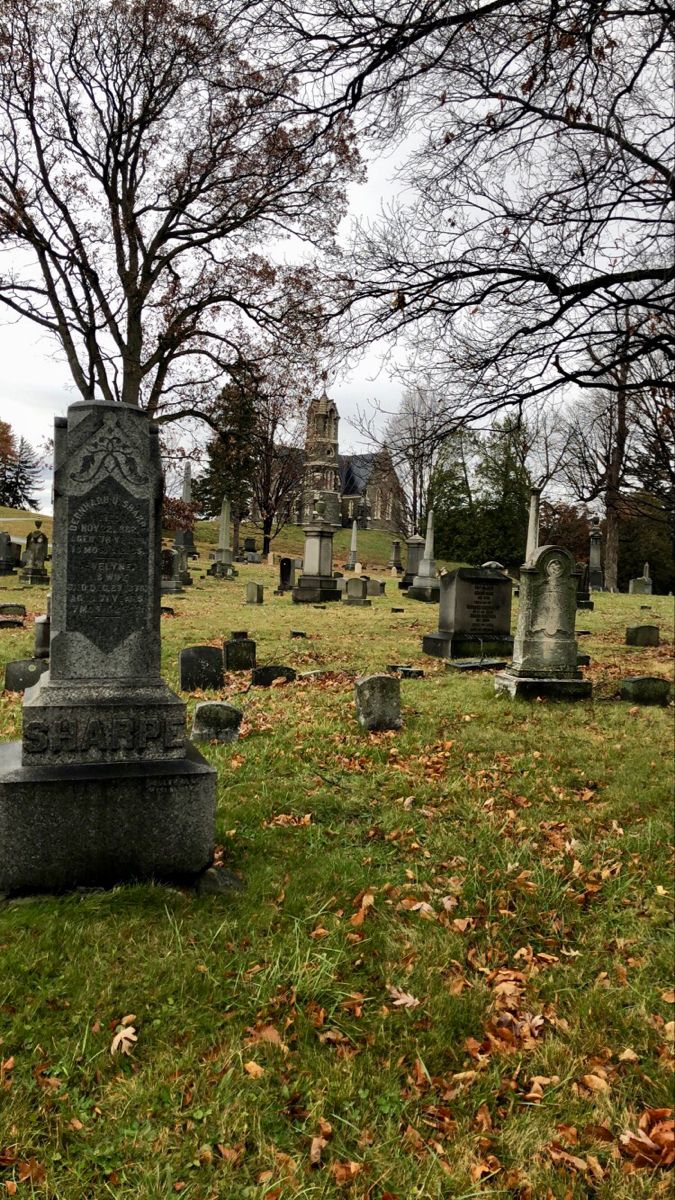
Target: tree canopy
x: 150, y: 153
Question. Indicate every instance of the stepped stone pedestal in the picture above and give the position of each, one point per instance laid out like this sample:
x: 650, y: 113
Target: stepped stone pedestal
x: 316, y: 585
x: 105, y: 786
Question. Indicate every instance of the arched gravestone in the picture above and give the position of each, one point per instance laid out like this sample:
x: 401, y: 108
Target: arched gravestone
x: 105, y: 786
x: 545, y: 647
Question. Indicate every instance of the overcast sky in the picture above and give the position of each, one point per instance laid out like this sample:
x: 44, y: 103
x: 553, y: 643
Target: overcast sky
x: 35, y: 384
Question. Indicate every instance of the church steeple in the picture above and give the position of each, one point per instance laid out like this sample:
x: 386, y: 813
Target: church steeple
x: 322, y: 475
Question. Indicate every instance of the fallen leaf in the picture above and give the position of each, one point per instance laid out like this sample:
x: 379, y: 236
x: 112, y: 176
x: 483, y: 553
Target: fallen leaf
x: 123, y: 1041
x: 254, y: 1069
x: 595, y: 1083
x: 317, y: 1146
x: 345, y: 1172
x: 402, y: 999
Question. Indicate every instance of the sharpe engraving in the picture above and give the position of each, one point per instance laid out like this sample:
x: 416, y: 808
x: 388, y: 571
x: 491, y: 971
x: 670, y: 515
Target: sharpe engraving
x: 108, y: 550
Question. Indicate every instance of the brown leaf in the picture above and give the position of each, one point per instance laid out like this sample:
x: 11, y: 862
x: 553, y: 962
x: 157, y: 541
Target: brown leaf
x: 595, y: 1083
x: 345, y: 1172
x: 32, y: 1170
x: 229, y: 1154
x: 668, y: 997
x: 318, y: 1145
x: 254, y: 1069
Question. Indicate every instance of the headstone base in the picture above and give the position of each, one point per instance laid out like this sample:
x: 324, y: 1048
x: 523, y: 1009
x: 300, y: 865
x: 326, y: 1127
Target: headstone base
x: 587, y: 604
x: 315, y: 589
x: 430, y: 593
x: 7, y: 569
x: 33, y: 575
x: 358, y: 602
x: 476, y: 664
x: 545, y: 689
x: 99, y: 825
x: 449, y: 645
x: 222, y: 570
x: 171, y: 587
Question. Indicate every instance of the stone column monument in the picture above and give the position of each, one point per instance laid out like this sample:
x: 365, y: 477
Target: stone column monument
x: 595, y: 579
x: 222, y: 566
x: 184, y: 538
x: 425, y: 585
x: 104, y: 787
x: 353, y: 555
x: 395, y: 563
x: 545, y: 648
x: 316, y: 584
x: 533, y: 524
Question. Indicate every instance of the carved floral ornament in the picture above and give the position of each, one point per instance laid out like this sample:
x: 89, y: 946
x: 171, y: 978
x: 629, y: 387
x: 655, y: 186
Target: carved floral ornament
x: 107, y: 451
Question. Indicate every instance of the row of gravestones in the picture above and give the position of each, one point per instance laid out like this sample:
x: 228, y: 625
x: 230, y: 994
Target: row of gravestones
x: 33, y: 560
x: 105, y: 785
x: 358, y: 590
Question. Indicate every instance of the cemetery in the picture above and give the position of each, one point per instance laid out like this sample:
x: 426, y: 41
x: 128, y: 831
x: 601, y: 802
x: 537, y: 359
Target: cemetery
x: 337, y: 527
x: 423, y: 897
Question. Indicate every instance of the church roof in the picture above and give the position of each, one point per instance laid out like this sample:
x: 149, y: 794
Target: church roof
x: 355, y: 472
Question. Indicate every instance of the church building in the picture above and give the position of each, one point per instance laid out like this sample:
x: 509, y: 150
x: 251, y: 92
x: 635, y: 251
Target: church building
x: 354, y: 487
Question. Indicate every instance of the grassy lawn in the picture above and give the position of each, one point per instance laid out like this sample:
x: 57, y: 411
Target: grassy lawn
x: 449, y: 973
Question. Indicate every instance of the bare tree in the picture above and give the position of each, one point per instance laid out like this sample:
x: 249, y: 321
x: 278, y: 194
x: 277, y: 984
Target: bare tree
x: 537, y: 200
x: 148, y: 153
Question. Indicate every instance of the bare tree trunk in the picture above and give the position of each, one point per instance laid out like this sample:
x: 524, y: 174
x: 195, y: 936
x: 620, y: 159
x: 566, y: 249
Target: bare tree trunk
x: 613, y: 489
x: 267, y: 532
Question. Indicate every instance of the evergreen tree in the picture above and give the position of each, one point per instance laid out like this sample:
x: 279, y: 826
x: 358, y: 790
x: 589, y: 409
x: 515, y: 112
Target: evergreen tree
x: 229, y: 454
x: 19, y: 474
x: 503, y: 485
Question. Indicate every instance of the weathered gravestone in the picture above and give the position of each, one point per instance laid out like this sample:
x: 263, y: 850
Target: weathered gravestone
x: 425, y: 585
x: 254, y: 593
x: 286, y: 575
x: 266, y: 676
x: 474, y: 618
x: 23, y: 673
x: 353, y: 554
x: 184, y: 538
x: 646, y: 689
x: 200, y: 668
x: 395, y: 563
x: 642, y: 584
x: 170, y: 565
x: 215, y: 721
x: 642, y: 635
x: 105, y: 786
x: 357, y: 592
x: 221, y: 566
x: 583, y: 589
x: 595, y: 577
x: 375, y: 587
x: 415, y: 546
x: 239, y: 654
x: 182, y: 568
x: 7, y: 564
x: 35, y: 557
x: 378, y: 701
x: 42, y: 632
x: 545, y: 648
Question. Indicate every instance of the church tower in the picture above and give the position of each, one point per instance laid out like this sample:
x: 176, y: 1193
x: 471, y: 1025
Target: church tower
x: 322, y: 475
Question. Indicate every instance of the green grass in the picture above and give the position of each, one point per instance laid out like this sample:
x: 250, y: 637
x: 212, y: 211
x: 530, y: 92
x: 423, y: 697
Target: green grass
x: 518, y: 859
